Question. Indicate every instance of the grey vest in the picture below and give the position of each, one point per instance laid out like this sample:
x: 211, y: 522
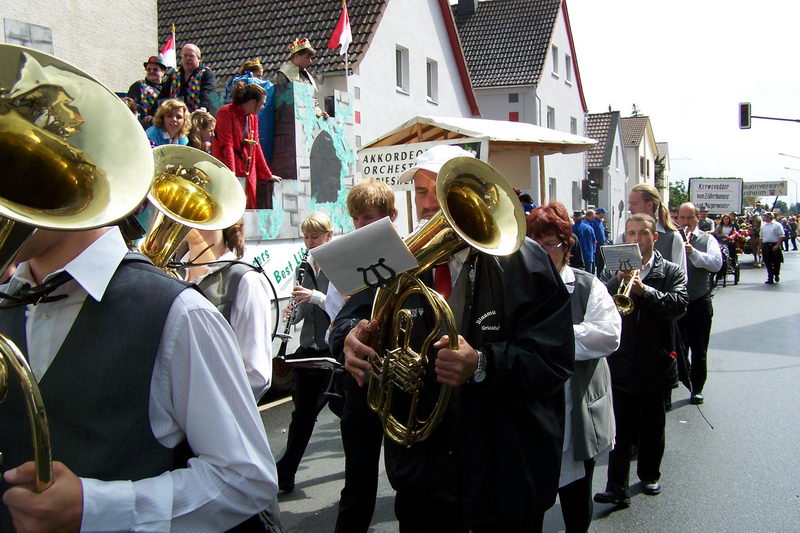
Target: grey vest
x: 222, y: 285
x: 593, y: 426
x: 699, y: 283
x: 97, y: 390
x: 664, y: 244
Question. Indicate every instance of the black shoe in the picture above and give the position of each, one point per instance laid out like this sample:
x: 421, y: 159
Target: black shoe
x: 285, y: 484
x: 777, y: 278
x: 618, y: 499
x: 651, y: 488
x: 696, y: 399
x: 768, y: 282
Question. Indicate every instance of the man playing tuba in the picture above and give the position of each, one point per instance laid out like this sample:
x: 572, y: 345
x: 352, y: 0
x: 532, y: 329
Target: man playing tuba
x: 492, y: 463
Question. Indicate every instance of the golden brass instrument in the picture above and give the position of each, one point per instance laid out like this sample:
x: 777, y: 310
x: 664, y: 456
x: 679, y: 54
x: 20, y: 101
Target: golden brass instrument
x: 75, y: 159
x: 191, y: 189
x: 622, y: 299
x: 479, y: 209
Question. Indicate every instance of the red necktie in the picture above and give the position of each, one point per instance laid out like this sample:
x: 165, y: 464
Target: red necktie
x: 441, y: 278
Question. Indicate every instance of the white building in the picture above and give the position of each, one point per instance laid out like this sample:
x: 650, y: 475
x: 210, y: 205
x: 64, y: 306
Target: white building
x: 524, y: 68
x: 640, y: 151
x: 608, y: 168
x: 108, y: 40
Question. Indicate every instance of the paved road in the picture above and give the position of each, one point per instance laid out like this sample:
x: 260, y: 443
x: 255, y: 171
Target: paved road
x: 739, y: 476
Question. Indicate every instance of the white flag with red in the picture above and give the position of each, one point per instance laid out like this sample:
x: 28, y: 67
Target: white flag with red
x: 168, y: 51
x: 342, y: 36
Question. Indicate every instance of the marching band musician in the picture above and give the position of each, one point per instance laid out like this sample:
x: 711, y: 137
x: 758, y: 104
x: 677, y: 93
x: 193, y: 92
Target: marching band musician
x: 644, y: 198
x: 310, y: 384
x: 492, y: 463
x: 705, y: 259
x: 151, y: 358
x: 589, y: 430
x: 644, y: 365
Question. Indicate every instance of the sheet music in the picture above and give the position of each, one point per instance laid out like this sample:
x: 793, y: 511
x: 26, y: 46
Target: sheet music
x: 373, y: 253
x: 622, y: 256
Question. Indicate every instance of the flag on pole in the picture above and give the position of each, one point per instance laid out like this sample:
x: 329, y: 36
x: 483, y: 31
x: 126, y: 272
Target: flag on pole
x: 341, y: 36
x: 168, y: 51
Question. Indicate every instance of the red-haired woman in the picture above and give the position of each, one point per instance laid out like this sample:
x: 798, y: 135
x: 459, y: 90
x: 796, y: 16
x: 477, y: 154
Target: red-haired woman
x: 590, y: 427
x: 235, y: 141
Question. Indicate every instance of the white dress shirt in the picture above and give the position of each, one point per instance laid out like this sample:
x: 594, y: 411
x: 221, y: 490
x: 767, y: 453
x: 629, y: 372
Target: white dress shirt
x: 711, y: 259
x: 771, y: 232
x: 252, y: 324
x: 198, y: 392
x: 597, y: 336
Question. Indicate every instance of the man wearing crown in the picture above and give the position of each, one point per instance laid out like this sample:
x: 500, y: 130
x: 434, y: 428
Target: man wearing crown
x: 301, y: 53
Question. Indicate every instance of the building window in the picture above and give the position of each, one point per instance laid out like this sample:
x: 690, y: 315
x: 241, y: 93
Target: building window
x: 358, y: 117
x: 555, y: 60
x: 357, y: 92
x: 513, y: 98
x: 648, y: 168
x: 568, y: 68
x: 513, y: 116
x: 30, y: 35
x: 358, y: 141
x: 551, y: 118
x: 573, y: 125
x: 401, y: 68
x: 641, y: 166
x: 552, y: 192
x: 433, y: 80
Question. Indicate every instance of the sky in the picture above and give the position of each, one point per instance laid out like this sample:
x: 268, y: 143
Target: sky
x: 687, y: 65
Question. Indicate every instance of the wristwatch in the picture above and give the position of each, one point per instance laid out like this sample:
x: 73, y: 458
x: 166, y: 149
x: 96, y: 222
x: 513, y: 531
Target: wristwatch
x: 480, y: 371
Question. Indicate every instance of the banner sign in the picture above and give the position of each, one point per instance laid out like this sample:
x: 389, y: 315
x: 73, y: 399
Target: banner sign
x: 719, y: 195
x: 279, y: 261
x: 388, y: 162
x: 758, y: 189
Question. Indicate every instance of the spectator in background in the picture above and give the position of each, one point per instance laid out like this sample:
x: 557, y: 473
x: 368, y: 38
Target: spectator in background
x: 170, y: 125
x: 585, y: 233
x: 235, y: 140
x: 251, y: 71
x: 145, y: 91
x: 600, y: 233
x: 201, y: 130
x: 792, y: 233
x: 191, y: 82
x: 705, y: 223
x: 294, y: 70
x: 527, y: 202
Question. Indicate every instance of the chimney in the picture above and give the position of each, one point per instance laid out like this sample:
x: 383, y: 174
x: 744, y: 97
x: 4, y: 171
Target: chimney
x: 467, y: 7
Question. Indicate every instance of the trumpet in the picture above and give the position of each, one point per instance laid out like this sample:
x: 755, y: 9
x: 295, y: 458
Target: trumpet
x: 622, y: 299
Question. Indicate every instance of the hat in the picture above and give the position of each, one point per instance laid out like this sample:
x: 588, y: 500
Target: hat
x: 578, y: 214
x: 768, y: 214
x: 601, y: 210
x: 156, y: 60
x: 433, y: 158
x: 298, y: 45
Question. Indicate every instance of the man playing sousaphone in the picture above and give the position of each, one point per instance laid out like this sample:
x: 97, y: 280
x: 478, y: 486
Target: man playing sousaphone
x: 492, y: 463
x: 644, y: 365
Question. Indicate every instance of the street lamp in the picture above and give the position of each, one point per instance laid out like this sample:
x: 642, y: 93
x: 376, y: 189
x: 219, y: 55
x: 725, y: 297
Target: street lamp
x: 796, y: 186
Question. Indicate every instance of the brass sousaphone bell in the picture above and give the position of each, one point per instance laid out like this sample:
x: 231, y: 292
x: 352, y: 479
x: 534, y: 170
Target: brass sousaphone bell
x: 478, y: 209
x: 191, y: 189
x: 74, y: 158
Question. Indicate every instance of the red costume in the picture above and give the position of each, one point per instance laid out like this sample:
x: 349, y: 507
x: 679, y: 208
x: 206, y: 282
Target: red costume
x: 238, y: 148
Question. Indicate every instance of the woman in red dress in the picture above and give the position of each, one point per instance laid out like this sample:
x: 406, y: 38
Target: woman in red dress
x: 235, y: 141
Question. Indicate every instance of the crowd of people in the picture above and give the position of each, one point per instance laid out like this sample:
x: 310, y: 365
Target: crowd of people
x: 549, y: 372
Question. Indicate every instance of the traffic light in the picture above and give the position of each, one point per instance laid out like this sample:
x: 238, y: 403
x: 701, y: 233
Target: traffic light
x: 744, y: 116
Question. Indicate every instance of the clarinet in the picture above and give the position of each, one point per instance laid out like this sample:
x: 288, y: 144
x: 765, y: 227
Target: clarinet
x: 286, y: 336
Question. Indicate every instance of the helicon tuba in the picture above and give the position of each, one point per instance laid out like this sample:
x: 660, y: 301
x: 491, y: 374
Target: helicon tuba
x: 478, y: 209
x: 75, y: 158
x: 191, y: 189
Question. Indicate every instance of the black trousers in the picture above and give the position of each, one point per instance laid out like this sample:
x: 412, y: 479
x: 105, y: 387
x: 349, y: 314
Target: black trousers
x: 695, y: 329
x: 640, y: 419
x: 772, y: 259
x: 362, y: 436
x: 576, y: 501
x: 309, y: 399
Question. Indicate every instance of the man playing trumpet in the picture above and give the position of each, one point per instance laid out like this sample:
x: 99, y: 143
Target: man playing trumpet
x: 644, y: 365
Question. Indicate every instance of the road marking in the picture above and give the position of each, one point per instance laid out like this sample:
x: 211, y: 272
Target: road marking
x: 276, y: 403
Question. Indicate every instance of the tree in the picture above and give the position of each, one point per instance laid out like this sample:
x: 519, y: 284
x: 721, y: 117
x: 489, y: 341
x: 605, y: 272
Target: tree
x: 678, y: 193
x: 661, y: 167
